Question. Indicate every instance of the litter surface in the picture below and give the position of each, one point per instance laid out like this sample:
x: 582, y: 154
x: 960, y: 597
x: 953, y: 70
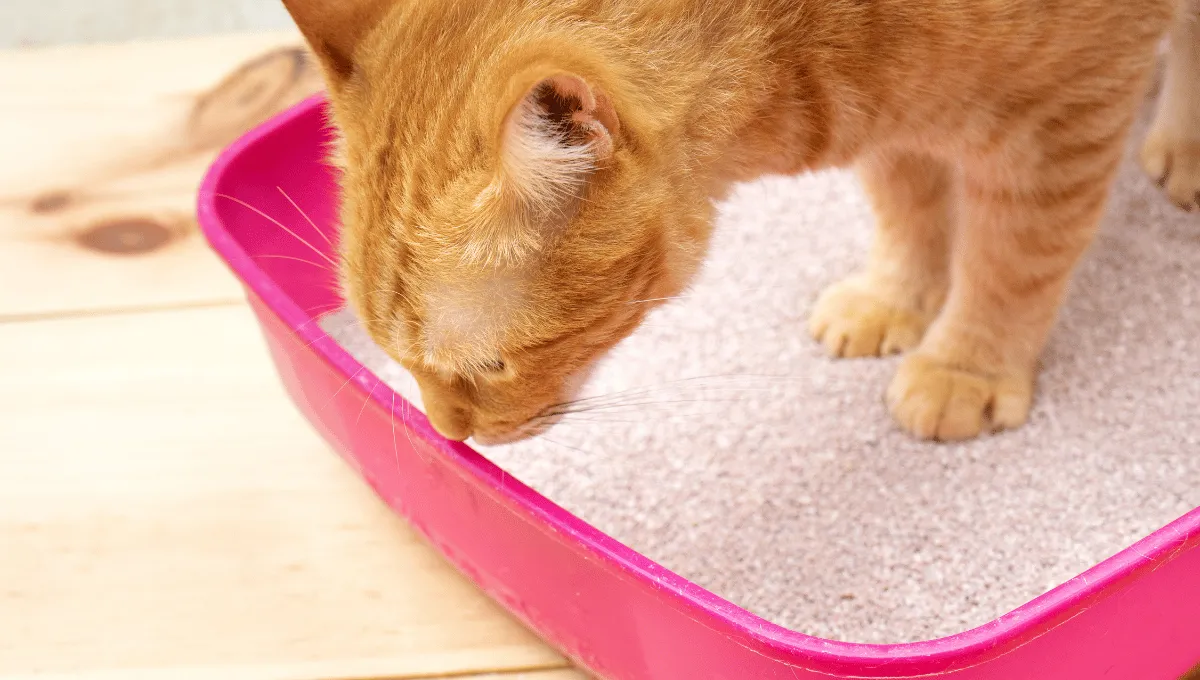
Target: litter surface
x: 734, y: 452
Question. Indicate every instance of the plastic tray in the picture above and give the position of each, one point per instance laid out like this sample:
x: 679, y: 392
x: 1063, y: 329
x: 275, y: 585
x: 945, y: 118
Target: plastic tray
x: 617, y: 613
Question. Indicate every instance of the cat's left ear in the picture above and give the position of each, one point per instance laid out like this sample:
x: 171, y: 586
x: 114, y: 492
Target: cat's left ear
x: 334, y: 29
x: 559, y: 132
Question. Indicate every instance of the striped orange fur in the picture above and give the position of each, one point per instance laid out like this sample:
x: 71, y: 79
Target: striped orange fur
x: 520, y: 174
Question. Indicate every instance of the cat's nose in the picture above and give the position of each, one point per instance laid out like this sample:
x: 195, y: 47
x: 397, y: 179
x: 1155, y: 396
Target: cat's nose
x: 452, y: 422
x: 448, y: 411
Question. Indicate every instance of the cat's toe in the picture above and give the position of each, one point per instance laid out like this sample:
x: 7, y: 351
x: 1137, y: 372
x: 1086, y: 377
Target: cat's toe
x: 1173, y: 160
x: 852, y: 319
x: 933, y: 400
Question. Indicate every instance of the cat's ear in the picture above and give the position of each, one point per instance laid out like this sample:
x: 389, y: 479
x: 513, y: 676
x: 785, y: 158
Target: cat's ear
x: 559, y: 131
x: 334, y: 28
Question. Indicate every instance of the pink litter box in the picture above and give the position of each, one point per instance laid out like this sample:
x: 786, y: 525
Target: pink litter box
x: 1135, y: 616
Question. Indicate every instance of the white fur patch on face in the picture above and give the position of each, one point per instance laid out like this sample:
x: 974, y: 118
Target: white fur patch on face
x: 467, y: 320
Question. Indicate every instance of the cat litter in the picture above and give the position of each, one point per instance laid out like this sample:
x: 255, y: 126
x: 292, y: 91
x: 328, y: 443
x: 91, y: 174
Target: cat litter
x: 858, y: 532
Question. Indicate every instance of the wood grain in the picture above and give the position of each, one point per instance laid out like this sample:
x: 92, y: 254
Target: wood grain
x: 560, y: 674
x: 166, y: 513
x: 103, y: 150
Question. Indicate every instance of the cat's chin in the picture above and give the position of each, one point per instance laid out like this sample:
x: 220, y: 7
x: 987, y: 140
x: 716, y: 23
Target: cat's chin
x: 496, y: 439
x: 525, y: 431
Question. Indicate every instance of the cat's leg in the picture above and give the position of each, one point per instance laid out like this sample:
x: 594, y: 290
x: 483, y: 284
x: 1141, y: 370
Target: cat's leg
x: 1171, y: 152
x: 885, y: 308
x: 1020, y: 235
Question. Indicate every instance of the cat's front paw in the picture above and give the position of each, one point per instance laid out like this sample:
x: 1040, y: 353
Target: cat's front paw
x: 1172, y: 158
x: 934, y: 400
x: 854, y: 318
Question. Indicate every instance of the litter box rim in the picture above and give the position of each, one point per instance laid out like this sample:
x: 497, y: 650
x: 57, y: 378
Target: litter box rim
x: 841, y: 659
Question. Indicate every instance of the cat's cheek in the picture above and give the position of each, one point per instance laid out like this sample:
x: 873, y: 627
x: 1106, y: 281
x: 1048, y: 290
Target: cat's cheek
x: 576, y: 381
x: 571, y: 387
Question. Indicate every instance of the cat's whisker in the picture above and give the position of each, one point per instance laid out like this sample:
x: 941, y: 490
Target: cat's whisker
x: 659, y: 299
x: 408, y: 432
x: 395, y: 444
x: 609, y: 407
x: 577, y: 419
x: 330, y: 332
x: 642, y: 401
x: 572, y: 420
x: 690, y: 406
x: 318, y: 313
x: 338, y: 390
x: 333, y: 287
x: 409, y: 406
x: 650, y: 400
x: 543, y: 437
x: 640, y: 407
x: 642, y: 391
x: 279, y: 224
x: 323, y: 309
x: 294, y: 259
x: 384, y: 290
x: 305, y: 216
x: 366, y: 400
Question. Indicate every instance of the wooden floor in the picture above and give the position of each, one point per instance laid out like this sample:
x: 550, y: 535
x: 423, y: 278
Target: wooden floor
x: 164, y: 510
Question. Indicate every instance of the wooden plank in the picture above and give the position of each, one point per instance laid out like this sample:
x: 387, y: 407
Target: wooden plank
x: 165, y: 512
x: 103, y: 150
x: 336, y: 674
x: 560, y: 674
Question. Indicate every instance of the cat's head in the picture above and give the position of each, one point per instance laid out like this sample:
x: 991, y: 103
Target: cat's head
x: 510, y: 209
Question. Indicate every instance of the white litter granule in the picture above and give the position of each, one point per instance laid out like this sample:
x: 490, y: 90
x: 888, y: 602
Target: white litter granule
x: 739, y: 456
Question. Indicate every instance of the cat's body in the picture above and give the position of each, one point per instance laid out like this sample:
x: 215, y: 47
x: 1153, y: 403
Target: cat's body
x: 522, y: 174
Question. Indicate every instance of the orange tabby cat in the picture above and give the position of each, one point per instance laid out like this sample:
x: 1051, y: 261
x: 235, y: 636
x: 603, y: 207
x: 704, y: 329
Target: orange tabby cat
x: 517, y: 172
